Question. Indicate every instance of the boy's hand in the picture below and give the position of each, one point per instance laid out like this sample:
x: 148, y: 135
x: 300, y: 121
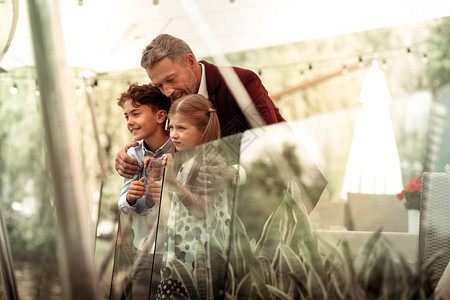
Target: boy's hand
x: 153, y: 192
x: 125, y: 165
x: 153, y: 168
x: 136, y: 191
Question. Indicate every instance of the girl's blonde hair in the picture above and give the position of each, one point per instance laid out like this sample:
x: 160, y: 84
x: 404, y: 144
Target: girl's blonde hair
x: 201, y: 113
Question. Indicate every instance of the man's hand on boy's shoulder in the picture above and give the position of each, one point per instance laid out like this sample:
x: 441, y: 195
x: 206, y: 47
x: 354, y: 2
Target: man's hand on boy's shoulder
x: 125, y: 165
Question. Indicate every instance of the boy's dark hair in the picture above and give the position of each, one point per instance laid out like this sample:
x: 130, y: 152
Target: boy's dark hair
x: 145, y: 94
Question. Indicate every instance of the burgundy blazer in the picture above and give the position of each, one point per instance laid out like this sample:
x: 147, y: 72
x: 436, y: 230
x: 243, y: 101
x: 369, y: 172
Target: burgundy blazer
x: 232, y: 120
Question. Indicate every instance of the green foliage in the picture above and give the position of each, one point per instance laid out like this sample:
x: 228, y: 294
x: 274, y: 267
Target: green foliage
x: 438, y: 68
x: 287, y: 262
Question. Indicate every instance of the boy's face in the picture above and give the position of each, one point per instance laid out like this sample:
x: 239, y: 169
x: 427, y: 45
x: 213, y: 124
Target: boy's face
x: 142, y: 122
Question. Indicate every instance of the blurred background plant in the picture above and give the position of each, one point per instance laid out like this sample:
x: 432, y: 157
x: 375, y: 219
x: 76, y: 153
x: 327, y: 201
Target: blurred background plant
x: 289, y: 261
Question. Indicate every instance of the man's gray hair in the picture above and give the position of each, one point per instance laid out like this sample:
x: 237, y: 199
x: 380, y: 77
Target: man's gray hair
x: 164, y: 45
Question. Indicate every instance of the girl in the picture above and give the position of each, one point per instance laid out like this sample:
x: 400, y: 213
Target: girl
x: 196, y: 210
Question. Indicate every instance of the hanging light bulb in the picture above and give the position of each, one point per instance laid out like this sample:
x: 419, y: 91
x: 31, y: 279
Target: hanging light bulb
x: 36, y: 92
x: 360, y: 60
x: 425, y: 58
x: 344, y: 70
x: 13, y: 90
x: 78, y: 91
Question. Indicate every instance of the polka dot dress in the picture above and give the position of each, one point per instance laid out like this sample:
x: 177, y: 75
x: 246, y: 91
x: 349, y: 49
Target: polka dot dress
x: 168, y: 287
x: 184, y: 232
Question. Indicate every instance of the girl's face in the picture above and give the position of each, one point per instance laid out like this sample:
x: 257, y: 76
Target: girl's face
x: 183, y: 133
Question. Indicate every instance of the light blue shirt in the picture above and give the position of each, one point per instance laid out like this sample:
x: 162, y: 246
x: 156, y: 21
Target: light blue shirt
x: 138, y: 153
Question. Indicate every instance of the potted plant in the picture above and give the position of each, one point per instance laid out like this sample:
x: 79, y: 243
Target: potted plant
x: 412, y: 194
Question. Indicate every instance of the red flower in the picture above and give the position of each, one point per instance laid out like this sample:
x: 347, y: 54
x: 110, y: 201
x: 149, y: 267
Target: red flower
x: 401, y: 195
x: 411, y: 192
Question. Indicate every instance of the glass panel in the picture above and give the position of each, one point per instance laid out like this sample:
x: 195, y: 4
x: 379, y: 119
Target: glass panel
x: 190, y: 242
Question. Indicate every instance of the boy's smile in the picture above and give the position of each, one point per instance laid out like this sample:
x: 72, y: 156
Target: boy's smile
x: 142, y: 121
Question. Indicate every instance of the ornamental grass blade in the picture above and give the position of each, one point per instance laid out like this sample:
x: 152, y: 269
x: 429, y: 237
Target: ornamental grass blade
x: 333, y: 249
x: 365, y: 252
x: 348, y: 258
x: 391, y: 279
x: 316, y: 287
x: 264, y: 233
x: 186, y: 278
x: 200, y: 271
x: 374, y: 274
x: 283, y: 272
x: 406, y: 271
x: 255, y: 268
x: 268, y: 271
x: 244, y: 287
x: 303, y: 233
x: 230, y: 288
x: 177, y: 296
x: 313, y: 247
x: 218, y: 267
x: 336, y: 287
x: 279, y: 294
x: 294, y: 264
x: 271, y: 238
x: 302, y: 227
x: 293, y: 292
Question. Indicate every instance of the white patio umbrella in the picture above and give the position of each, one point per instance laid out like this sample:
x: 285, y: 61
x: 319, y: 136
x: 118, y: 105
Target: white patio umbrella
x: 373, y: 166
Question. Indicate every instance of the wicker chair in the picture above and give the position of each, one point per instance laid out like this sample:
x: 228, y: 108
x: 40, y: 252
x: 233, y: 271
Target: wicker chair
x: 434, y: 231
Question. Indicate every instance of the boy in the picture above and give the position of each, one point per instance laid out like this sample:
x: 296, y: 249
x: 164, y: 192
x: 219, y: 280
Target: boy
x: 145, y: 109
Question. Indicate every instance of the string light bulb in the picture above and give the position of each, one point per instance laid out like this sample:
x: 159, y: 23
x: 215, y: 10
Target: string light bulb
x: 425, y: 58
x: 37, y: 92
x: 13, y: 90
x: 344, y: 70
x: 78, y: 91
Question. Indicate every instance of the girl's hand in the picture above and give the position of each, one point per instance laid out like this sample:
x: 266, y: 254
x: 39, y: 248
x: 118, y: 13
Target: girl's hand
x: 166, y: 158
x: 169, y: 174
x: 136, y: 191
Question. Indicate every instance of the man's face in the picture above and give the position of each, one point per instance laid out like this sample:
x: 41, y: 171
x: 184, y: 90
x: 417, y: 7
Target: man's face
x: 174, y: 78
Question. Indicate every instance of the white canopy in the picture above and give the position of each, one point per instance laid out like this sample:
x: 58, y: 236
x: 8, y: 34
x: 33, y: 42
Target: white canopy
x: 109, y: 35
